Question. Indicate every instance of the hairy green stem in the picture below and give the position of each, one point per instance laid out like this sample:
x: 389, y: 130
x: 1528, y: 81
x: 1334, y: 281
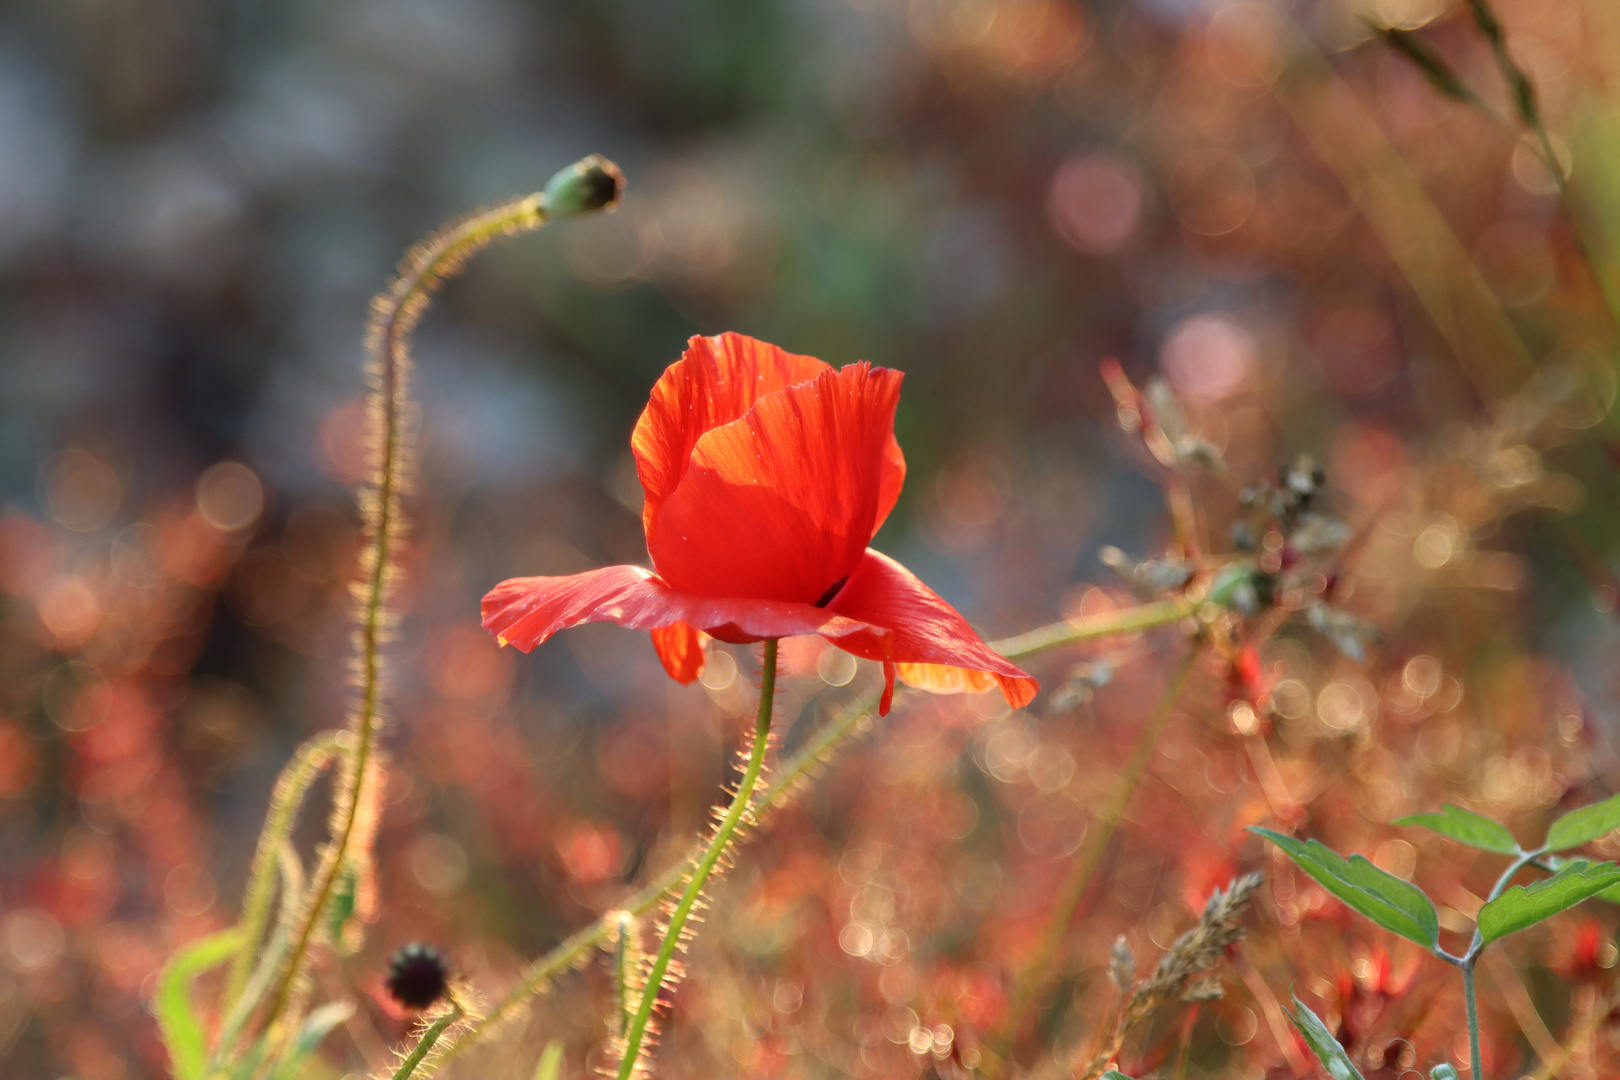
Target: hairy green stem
x: 1071, y: 631
x: 626, y: 971
x: 591, y: 184
x: 786, y: 779
x: 740, y: 806
x: 288, y: 796
x: 424, y: 1045
x: 1034, y: 979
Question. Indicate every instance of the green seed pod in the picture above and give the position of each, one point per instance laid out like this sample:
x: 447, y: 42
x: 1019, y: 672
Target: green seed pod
x: 594, y: 183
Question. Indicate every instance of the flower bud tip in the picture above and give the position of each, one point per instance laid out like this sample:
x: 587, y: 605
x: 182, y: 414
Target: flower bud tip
x: 594, y: 183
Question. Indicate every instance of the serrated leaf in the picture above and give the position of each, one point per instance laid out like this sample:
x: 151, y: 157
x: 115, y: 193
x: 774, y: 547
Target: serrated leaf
x: 1588, y: 823
x: 1322, y: 1043
x: 1398, y: 906
x: 1523, y: 906
x: 1465, y: 827
x: 551, y: 1059
x: 177, y: 1018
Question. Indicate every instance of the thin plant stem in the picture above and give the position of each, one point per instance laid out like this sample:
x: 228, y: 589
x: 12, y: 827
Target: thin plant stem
x: 627, y: 963
x: 735, y: 813
x: 1035, y: 977
x: 288, y: 796
x: 1528, y: 109
x: 424, y: 1045
x: 1516, y: 995
x: 1475, y: 1065
x: 1577, y: 220
x: 395, y: 314
x: 787, y: 779
x: 1579, y: 1035
x: 1091, y: 627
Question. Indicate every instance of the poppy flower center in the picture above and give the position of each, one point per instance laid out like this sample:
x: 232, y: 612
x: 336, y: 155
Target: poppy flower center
x: 832, y: 591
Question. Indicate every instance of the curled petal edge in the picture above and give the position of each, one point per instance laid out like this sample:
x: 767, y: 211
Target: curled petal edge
x: 929, y: 644
x: 523, y: 612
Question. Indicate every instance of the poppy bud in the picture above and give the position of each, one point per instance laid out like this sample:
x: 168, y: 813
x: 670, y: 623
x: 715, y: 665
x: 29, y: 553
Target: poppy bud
x: 594, y: 183
x: 417, y: 975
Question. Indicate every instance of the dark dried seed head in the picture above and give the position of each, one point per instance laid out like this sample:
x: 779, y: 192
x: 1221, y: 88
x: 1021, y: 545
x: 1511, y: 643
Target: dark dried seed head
x: 417, y: 975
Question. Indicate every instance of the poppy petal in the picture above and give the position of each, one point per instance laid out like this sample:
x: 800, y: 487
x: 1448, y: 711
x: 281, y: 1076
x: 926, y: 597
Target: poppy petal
x: 893, y: 479
x: 925, y: 630
x: 944, y: 679
x: 526, y: 611
x: 716, y: 381
x: 681, y: 646
x: 780, y: 503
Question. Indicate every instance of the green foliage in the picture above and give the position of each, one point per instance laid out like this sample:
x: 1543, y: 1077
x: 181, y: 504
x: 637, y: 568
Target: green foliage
x: 1114, y: 1074
x: 1525, y: 905
x: 177, y: 1018
x: 1398, y: 906
x: 1465, y: 827
x: 1588, y: 823
x: 1322, y: 1043
x: 551, y: 1058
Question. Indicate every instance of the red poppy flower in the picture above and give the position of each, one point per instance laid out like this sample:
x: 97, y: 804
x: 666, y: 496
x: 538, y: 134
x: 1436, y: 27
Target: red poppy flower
x: 766, y: 474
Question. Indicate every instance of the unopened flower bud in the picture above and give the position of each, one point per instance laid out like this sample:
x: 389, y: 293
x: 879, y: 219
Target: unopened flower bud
x: 594, y: 183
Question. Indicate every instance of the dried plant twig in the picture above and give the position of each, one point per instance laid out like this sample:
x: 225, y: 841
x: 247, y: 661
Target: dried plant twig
x: 1181, y: 974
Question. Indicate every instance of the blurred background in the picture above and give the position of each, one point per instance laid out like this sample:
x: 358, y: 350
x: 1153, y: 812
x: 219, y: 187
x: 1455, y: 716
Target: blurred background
x: 1318, y: 252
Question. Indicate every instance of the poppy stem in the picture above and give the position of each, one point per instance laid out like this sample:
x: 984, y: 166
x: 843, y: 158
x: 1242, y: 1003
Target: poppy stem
x: 591, y: 184
x: 424, y: 1045
x: 741, y: 807
x: 785, y: 780
x: 291, y: 787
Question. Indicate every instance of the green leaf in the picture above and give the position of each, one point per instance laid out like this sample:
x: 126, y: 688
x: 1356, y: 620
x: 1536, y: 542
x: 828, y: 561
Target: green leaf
x: 1443, y: 1071
x: 1524, y: 906
x: 176, y: 1013
x: 551, y: 1058
x: 1114, y: 1074
x: 1398, y: 906
x: 1322, y: 1043
x: 1465, y: 827
x: 314, y: 1030
x: 1588, y: 823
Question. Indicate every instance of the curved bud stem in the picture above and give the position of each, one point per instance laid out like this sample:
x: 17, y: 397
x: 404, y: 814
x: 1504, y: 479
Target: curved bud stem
x: 591, y: 184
